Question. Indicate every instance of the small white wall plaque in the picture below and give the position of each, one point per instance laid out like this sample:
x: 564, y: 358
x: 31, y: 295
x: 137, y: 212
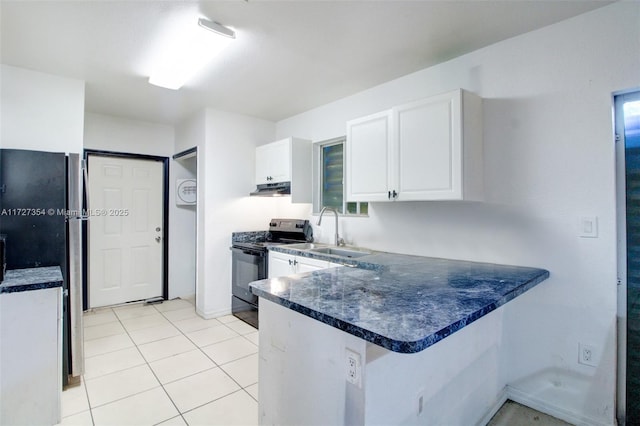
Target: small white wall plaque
x: 186, y: 192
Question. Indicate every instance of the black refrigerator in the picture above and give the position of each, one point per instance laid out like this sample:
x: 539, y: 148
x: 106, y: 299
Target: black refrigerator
x: 38, y: 190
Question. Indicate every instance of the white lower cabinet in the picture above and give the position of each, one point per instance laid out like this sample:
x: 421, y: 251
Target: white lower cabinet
x: 31, y: 354
x: 281, y: 264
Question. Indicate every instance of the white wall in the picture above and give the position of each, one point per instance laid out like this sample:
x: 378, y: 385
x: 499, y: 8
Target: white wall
x: 108, y: 133
x: 192, y: 133
x: 549, y: 158
x: 226, y: 159
x: 40, y: 111
x: 225, y: 171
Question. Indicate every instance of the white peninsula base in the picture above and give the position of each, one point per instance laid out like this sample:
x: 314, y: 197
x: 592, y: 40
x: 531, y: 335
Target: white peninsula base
x: 304, y: 367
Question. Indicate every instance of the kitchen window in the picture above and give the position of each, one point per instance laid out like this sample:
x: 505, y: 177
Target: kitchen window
x: 329, y: 179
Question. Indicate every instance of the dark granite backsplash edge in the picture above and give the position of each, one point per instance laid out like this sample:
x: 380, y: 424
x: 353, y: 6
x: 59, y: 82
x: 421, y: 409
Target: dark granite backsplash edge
x: 249, y: 237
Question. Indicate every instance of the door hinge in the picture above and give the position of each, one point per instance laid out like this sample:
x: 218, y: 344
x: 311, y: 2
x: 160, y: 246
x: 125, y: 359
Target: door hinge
x: 618, y: 138
x: 619, y: 281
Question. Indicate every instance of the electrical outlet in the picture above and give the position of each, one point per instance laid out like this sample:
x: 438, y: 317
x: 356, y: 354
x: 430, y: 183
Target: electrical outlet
x: 587, y: 355
x: 354, y: 368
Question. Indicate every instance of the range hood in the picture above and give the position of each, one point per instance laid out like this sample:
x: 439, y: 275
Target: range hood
x: 272, y: 190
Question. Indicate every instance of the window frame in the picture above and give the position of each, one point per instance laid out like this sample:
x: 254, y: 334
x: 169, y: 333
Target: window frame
x: 317, y: 175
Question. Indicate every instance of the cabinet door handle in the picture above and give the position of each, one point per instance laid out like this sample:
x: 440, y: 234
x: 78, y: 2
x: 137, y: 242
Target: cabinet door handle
x: 295, y: 262
x: 395, y: 194
x: 389, y: 196
x: 289, y: 262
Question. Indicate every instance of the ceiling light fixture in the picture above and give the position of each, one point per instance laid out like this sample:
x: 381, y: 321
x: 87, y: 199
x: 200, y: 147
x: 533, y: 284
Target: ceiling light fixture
x: 190, y: 50
x: 217, y: 28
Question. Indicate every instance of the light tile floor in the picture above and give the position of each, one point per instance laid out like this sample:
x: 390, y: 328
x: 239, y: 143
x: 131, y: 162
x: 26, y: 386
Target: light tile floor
x: 163, y: 364
x: 513, y: 414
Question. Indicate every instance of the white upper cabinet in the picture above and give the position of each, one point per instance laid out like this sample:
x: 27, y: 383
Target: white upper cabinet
x: 369, y: 157
x: 429, y: 149
x: 286, y: 160
x: 273, y: 162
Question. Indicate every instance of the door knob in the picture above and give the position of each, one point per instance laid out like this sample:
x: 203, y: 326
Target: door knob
x: 158, y: 229
x: 158, y: 239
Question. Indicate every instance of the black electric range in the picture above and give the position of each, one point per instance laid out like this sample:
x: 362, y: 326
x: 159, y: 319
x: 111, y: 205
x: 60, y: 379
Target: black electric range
x: 250, y: 263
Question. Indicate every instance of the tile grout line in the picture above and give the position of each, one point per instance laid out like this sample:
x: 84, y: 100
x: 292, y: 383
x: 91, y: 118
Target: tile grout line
x: 158, y: 379
x: 153, y: 372
x: 145, y: 363
x: 162, y: 385
x: 217, y: 399
x: 145, y: 360
x: 208, y: 357
x: 219, y: 366
x: 216, y: 364
x: 86, y: 390
x: 84, y: 383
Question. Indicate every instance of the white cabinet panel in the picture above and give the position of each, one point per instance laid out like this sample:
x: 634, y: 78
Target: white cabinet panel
x: 369, y: 157
x: 273, y: 162
x: 305, y: 264
x: 31, y: 354
x: 429, y: 149
x: 286, y: 160
x: 281, y: 264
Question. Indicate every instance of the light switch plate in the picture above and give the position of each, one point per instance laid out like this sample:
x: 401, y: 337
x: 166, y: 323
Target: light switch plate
x: 588, y: 227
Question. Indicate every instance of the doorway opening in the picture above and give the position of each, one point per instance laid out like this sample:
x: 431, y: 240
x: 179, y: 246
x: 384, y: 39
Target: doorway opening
x: 127, y: 233
x: 627, y: 128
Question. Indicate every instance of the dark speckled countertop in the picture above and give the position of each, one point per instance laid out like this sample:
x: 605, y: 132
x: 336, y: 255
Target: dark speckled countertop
x: 17, y: 280
x: 400, y: 302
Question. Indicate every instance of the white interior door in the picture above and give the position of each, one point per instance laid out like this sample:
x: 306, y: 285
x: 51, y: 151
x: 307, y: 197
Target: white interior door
x: 125, y: 230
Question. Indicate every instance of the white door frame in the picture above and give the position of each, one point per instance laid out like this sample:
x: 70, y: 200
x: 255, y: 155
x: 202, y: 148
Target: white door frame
x: 165, y: 225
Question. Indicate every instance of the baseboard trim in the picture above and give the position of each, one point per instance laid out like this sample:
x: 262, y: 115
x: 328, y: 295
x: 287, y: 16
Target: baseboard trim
x: 523, y: 398
x: 213, y: 314
x: 502, y: 398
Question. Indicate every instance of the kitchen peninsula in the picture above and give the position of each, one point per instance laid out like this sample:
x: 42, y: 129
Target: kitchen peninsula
x: 393, y: 339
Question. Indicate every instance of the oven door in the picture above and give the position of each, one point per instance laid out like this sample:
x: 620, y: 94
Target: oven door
x: 247, y: 266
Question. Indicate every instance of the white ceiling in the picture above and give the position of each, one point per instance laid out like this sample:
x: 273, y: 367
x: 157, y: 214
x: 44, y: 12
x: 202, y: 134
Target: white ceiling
x: 289, y: 56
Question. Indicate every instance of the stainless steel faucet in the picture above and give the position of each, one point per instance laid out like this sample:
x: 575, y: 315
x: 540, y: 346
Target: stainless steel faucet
x: 339, y: 241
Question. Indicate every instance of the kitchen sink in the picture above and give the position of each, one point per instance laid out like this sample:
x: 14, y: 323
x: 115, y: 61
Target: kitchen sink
x: 342, y: 252
x: 306, y: 246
